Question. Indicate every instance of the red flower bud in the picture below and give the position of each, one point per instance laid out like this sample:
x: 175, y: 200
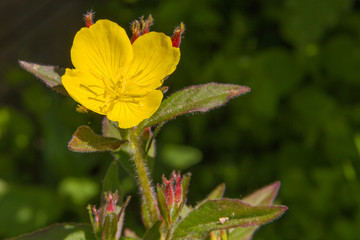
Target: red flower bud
x: 176, y: 37
x: 145, y: 27
x: 96, y: 213
x: 135, y: 28
x: 111, y: 200
x: 178, y: 187
x: 169, y: 192
x: 88, y: 17
x: 146, y: 24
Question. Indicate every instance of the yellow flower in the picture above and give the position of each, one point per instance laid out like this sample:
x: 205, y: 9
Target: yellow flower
x: 118, y: 79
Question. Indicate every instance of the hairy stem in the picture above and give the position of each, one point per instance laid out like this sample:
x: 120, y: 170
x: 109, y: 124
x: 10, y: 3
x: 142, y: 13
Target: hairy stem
x: 144, y: 179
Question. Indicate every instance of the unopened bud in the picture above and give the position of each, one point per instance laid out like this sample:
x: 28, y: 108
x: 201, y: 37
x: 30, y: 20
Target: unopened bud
x: 96, y: 214
x: 176, y: 37
x: 141, y: 27
x: 135, y: 28
x: 88, y: 17
x: 178, y: 186
x: 146, y: 24
x: 169, y: 192
x: 111, y: 200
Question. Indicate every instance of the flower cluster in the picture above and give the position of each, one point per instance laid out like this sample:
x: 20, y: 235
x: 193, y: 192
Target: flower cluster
x: 172, y: 196
x: 107, y: 221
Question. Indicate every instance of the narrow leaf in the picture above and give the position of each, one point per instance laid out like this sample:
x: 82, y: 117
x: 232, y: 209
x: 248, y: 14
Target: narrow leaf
x: 85, y: 140
x: 263, y: 196
x: 224, y: 214
x: 121, y: 218
x: 63, y: 231
x: 200, y: 98
x: 50, y: 75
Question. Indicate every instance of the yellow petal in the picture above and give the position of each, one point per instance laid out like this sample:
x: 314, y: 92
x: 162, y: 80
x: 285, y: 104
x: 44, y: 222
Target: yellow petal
x: 85, y: 89
x: 102, y: 50
x: 130, y: 114
x: 154, y: 59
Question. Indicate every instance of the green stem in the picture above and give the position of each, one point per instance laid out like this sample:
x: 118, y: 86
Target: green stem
x: 142, y: 172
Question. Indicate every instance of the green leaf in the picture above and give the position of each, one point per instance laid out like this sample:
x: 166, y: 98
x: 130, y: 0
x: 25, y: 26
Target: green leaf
x: 50, y: 75
x: 153, y: 233
x: 224, y: 214
x: 263, y: 196
x: 64, y: 231
x: 217, y: 193
x: 111, y: 181
x: 200, y: 98
x: 85, y: 140
x: 121, y: 218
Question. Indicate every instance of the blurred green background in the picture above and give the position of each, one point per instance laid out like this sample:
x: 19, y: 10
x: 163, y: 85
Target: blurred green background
x: 300, y: 124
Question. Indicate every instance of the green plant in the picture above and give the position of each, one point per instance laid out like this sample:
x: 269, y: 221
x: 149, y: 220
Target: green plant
x: 165, y: 213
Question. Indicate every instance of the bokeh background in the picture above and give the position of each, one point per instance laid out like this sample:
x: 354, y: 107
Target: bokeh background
x: 299, y: 124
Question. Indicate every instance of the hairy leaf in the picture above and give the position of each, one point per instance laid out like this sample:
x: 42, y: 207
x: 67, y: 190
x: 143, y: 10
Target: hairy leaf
x: 200, y: 98
x: 224, y: 214
x: 50, y: 75
x: 263, y: 196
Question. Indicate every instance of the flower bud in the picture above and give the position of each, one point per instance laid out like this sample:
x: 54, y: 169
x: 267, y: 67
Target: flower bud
x: 88, y: 17
x: 95, y: 218
x: 178, y: 187
x: 107, y: 222
x: 172, y: 195
x: 169, y: 192
x: 146, y: 24
x: 135, y: 28
x: 141, y: 27
x: 111, y: 200
x: 176, y: 37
